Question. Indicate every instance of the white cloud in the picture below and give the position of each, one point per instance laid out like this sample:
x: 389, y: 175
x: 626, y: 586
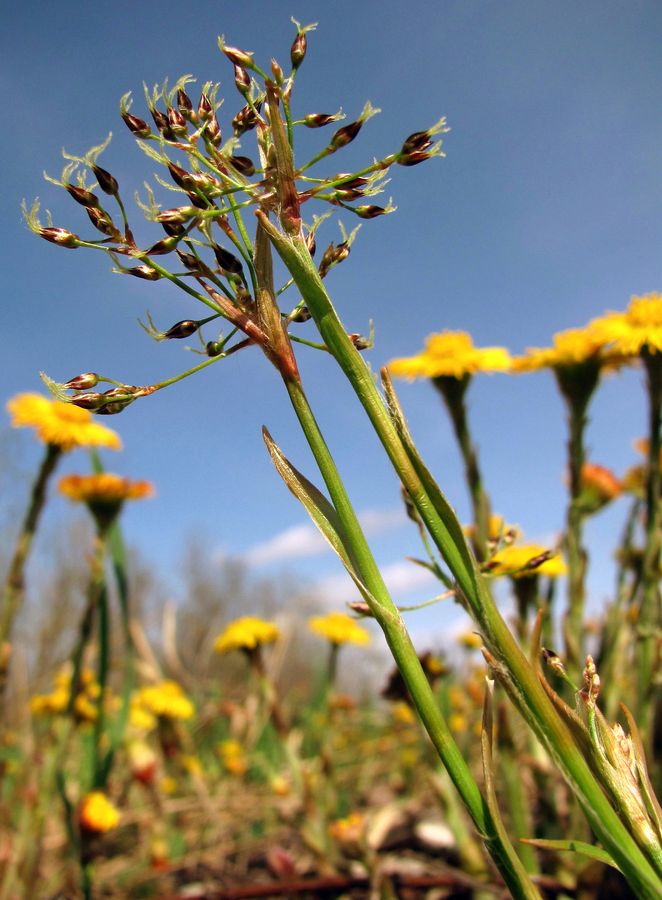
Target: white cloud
x: 401, y: 578
x: 305, y: 540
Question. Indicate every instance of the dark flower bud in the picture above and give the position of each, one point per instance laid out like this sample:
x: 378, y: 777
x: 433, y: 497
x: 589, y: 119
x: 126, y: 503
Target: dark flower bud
x: 239, y: 57
x: 197, y: 200
x: 243, y: 165
x: 136, y: 126
x: 182, y: 329
x: 242, y: 79
x: 311, y: 243
x: 213, y: 348
x: 246, y: 119
x: 205, y: 109
x: 413, y: 159
x: 160, y: 120
x: 228, y: 261
x: 419, y: 140
x: 302, y: 315
x: 111, y: 409
x: 164, y: 246
x: 345, y: 135
x: 102, y: 222
x: 82, y: 382
x: 185, y: 104
x: 82, y: 196
x: 107, y: 182
x: 332, y: 256
x: 189, y: 260
x: 348, y: 182
x: 60, y: 236
x: 213, y: 131
x: 277, y: 72
x: 178, y: 215
x: 88, y: 400
x: 344, y: 193
x: 360, y: 341
x: 369, y: 211
x: 298, y: 50
x: 173, y: 229
x: 146, y: 272
x: 180, y: 176
x: 318, y: 120
x: 176, y: 121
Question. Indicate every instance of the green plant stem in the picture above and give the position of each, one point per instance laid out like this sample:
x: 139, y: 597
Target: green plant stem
x: 14, y: 587
x: 99, y: 775
x: 95, y: 597
x: 453, y: 391
x: 404, y: 652
x: 649, y: 614
x: 533, y: 702
x: 576, y: 552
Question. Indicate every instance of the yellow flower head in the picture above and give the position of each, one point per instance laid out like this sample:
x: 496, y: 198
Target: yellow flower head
x: 62, y: 424
x: 166, y: 700
x: 339, y: 628
x: 450, y: 354
x: 518, y: 561
x: 573, y: 347
x: 638, y: 328
x: 103, y: 488
x: 246, y: 633
x: 599, y: 486
x: 233, y: 756
x: 97, y: 814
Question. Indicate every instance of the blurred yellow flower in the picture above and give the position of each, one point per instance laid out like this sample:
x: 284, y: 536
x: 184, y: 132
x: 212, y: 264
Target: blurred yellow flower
x: 470, y: 640
x: 457, y: 723
x: 103, y: 488
x: 450, y: 354
x: 233, y: 756
x: 166, y: 700
x: 190, y: 763
x: 62, y: 424
x: 599, y: 486
x: 57, y: 701
x: 638, y: 328
x: 402, y: 713
x: 97, y: 814
x: 572, y: 347
x: 168, y: 785
x: 518, y: 561
x: 348, y: 830
x: 339, y: 628
x: 246, y: 633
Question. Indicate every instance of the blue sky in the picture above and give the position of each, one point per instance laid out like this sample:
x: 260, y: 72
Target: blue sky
x: 544, y: 213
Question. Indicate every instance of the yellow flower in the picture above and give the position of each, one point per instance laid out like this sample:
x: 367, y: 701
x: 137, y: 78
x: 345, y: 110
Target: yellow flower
x: 599, y: 486
x: 517, y: 560
x: 450, y: 354
x: 166, y: 700
x: 402, y: 713
x: 97, y: 814
x: 497, y: 529
x: 232, y: 754
x: 339, y: 628
x: 168, y: 785
x: 62, y: 424
x: 638, y: 328
x: 104, y: 488
x: 246, y: 633
x: 470, y: 640
x: 573, y: 347
x: 348, y: 831
x: 191, y: 764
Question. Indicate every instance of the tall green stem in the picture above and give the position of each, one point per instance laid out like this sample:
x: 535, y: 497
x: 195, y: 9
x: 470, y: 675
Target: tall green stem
x: 650, y: 617
x: 14, y: 587
x: 405, y: 655
x: 532, y: 700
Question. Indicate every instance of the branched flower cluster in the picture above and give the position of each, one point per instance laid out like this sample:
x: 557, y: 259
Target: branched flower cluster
x: 209, y: 253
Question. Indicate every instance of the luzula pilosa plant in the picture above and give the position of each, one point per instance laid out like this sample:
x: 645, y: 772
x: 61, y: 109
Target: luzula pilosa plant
x: 213, y: 254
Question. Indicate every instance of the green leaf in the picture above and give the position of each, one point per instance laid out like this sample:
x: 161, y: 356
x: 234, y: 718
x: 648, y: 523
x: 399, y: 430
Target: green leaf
x: 574, y: 847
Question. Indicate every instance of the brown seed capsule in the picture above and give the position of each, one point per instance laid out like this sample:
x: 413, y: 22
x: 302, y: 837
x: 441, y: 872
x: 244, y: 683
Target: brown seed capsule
x: 181, y: 177
x: 318, y: 120
x: 239, y: 57
x: 176, y: 121
x: 302, y: 315
x: 173, y: 229
x: 246, y: 118
x: 111, y: 409
x: 242, y: 79
x: 298, y: 50
x: 419, y: 140
x: 213, y: 131
x: 213, y: 348
x: 189, y: 260
x: 107, y: 182
x: 102, y: 222
x: 345, y: 135
x: 369, y: 211
x: 182, y: 329
x: 277, y: 72
x: 88, y: 400
x: 82, y: 196
x: 227, y: 261
x: 205, y: 109
x: 160, y: 120
x: 311, y: 243
x: 136, y: 126
x: 360, y: 341
x: 185, y: 104
x: 60, y: 236
x: 146, y: 272
x: 178, y: 214
x: 413, y: 159
x: 82, y: 382
x: 243, y: 165
x: 167, y: 245
x: 344, y: 193
x: 347, y: 181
